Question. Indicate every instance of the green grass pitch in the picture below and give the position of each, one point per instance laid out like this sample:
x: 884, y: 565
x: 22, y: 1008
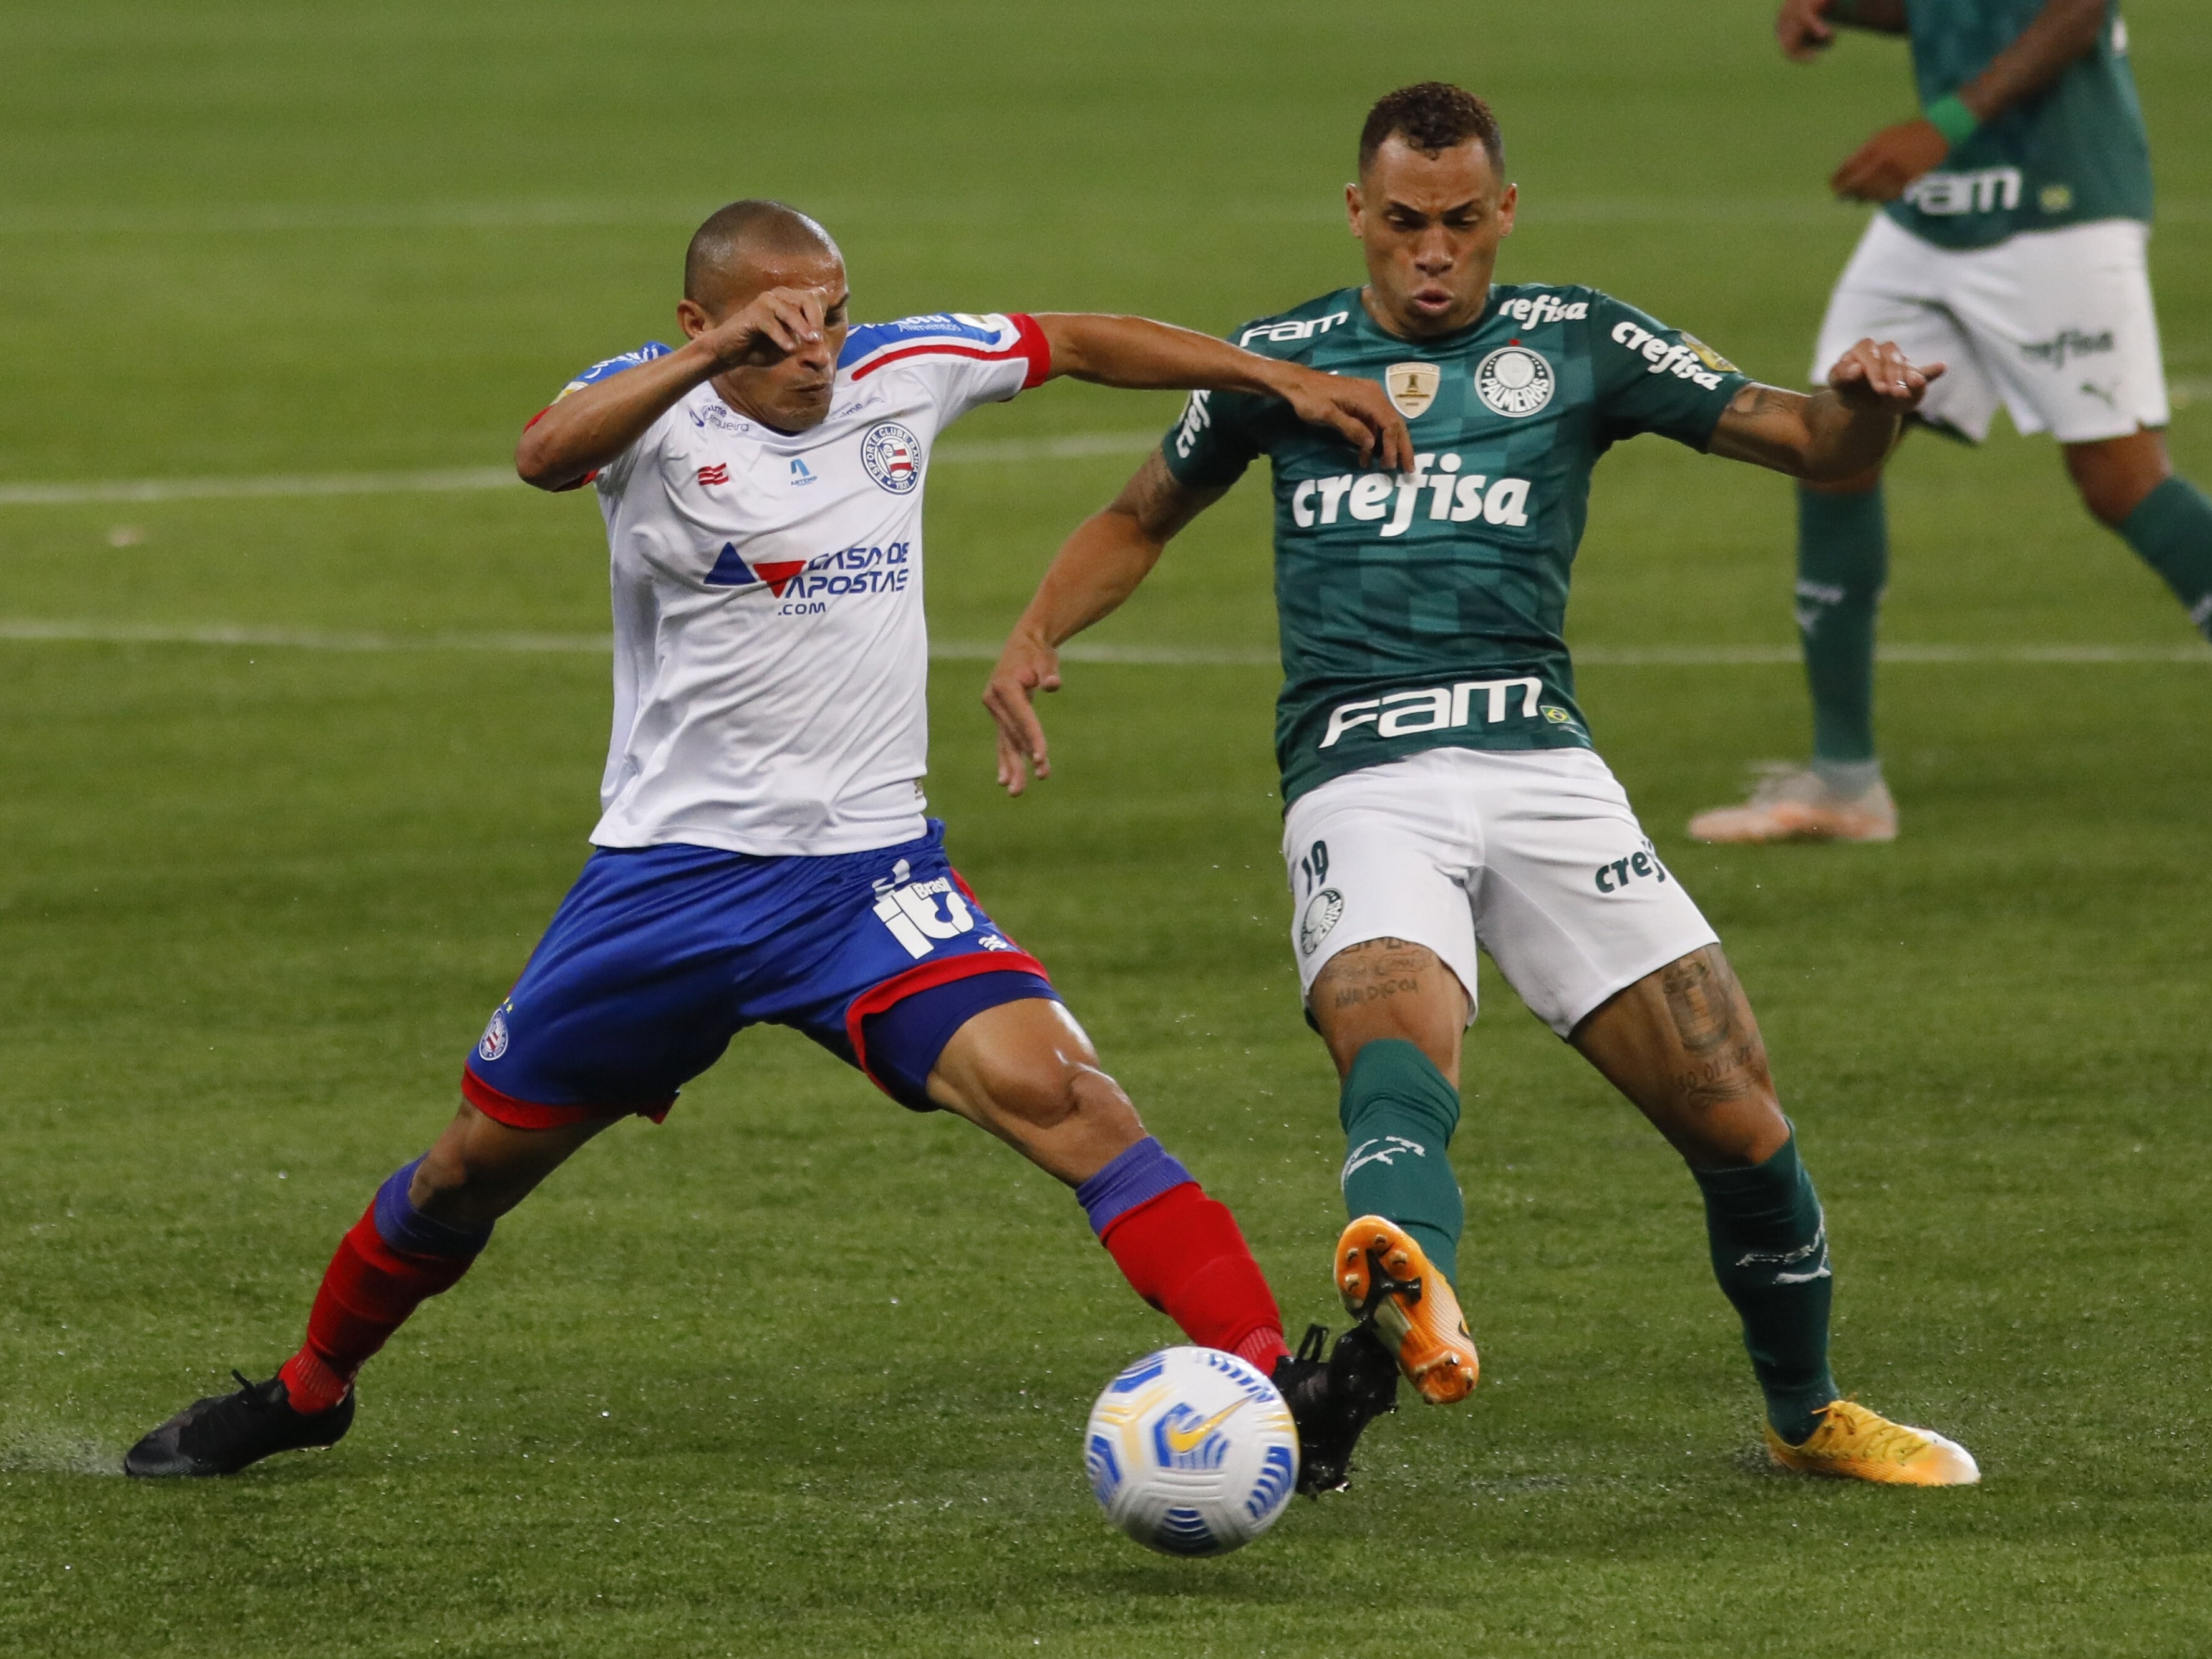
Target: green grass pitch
x: 799, y: 1373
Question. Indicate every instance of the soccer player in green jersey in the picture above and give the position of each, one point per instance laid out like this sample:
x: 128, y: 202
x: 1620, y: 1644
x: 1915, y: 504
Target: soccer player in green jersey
x: 2011, y: 247
x: 1441, y: 791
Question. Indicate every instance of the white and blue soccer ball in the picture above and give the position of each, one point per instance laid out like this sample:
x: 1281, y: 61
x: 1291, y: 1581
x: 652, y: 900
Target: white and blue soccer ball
x: 1191, y: 1451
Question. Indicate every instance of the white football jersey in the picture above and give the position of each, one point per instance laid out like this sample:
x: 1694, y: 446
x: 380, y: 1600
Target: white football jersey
x: 771, y: 658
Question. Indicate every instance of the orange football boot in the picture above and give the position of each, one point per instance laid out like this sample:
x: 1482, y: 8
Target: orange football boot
x: 1853, y: 1444
x: 1383, y: 1276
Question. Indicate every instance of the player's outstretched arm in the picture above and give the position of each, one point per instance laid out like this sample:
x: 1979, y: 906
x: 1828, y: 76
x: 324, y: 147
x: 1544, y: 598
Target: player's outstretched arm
x: 586, y: 429
x: 1137, y: 353
x: 1831, y: 435
x: 1882, y: 166
x: 1097, y: 567
x: 1806, y: 29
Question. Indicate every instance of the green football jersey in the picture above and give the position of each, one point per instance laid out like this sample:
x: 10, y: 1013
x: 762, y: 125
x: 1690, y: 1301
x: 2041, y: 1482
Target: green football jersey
x: 2074, y: 152
x: 1426, y: 611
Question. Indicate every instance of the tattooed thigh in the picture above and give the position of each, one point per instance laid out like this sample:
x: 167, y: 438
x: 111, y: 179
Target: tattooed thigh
x: 1722, y: 1057
x: 1377, y: 971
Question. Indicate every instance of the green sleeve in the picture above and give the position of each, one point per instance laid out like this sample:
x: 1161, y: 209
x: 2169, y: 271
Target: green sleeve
x: 1215, y: 441
x: 1651, y: 378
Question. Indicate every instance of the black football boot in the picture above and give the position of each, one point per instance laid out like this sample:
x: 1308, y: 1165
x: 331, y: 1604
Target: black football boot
x: 223, y: 1433
x: 1333, y: 1400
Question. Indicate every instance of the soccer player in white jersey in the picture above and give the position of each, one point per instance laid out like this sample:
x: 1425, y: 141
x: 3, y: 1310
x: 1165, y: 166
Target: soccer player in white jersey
x: 763, y: 855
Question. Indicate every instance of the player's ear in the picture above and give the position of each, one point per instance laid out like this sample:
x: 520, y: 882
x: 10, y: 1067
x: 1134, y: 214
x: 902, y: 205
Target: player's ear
x: 1353, y: 212
x: 691, y: 316
x: 1508, y: 205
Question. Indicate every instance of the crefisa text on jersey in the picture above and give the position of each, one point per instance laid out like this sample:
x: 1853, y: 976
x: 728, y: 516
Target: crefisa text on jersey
x: 1454, y: 497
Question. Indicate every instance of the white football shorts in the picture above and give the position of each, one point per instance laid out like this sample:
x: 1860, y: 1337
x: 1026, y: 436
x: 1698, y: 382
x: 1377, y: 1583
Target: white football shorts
x: 1534, y: 856
x: 2056, y: 324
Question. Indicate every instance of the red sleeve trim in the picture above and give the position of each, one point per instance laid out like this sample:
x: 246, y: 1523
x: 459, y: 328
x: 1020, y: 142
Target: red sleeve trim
x: 923, y: 976
x: 1029, y: 345
x: 561, y: 490
x: 502, y: 1107
x: 1035, y: 347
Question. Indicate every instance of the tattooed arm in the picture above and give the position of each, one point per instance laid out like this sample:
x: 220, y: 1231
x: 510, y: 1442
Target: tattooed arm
x: 1097, y: 567
x: 1831, y: 434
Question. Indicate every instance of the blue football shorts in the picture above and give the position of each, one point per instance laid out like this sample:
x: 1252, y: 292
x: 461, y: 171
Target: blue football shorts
x: 658, y: 955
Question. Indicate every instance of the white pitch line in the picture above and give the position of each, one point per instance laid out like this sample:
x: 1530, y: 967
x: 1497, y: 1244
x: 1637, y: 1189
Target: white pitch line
x: 1001, y: 450
x: 37, y: 630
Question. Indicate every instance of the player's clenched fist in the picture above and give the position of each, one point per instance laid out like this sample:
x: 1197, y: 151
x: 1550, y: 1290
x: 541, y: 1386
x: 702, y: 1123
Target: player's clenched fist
x: 1803, y: 28
x: 1877, y: 374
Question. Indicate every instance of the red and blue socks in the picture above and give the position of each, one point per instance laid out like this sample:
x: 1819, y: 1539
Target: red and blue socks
x: 1770, y: 1244
x: 1398, y: 1112
x: 392, y: 1259
x: 1182, y: 1253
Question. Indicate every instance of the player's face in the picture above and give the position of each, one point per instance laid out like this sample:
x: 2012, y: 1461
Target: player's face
x: 1431, y: 225
x: 789, y: 391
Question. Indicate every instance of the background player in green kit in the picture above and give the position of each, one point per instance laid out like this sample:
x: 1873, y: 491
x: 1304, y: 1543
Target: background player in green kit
x: 1441, y: 791
x: 2012, y: 249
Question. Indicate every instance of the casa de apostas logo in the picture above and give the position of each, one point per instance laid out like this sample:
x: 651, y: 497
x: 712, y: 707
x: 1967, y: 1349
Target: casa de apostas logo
x: 893, y: 456
x: 1514, y: 381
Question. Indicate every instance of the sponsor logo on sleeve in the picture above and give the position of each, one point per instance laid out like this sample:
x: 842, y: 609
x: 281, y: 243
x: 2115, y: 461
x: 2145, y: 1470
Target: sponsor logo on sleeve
x: 1514, y: 381
x: 1197, y: 416
x: 1686, y: 357
x: 892, y: 455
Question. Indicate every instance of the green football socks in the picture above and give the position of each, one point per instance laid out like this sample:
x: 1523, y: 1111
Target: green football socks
x: 1398, y: 1113
x: 1770, y: 1249
x: 2172, y: 529
x: 1842, y: 564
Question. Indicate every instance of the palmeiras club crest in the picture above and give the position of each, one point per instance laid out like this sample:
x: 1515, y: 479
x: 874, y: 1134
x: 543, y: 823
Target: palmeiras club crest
x: 1413, y: 387
x: 1514, y: 380
x: 893, y: 456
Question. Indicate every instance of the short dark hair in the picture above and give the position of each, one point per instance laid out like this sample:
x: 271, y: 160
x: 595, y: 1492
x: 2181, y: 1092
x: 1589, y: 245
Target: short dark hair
x: 744, y: 228
x: 1431, y: 116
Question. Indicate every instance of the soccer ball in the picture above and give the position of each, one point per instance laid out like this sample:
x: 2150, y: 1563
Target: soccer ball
x: 1191, y: 1452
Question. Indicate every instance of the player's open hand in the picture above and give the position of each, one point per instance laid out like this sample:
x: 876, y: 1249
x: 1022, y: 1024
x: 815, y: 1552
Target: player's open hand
x: 1882, y: 166
x: 1358, y: 409
x: 1876, y: 375
x: 1027, y: 666
x: 768, y: 328
x: 1804, y: 29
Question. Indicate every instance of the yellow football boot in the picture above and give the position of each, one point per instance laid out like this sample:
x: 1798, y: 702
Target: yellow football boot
x: 1853, y: 1444
x: 1383, y: 1275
